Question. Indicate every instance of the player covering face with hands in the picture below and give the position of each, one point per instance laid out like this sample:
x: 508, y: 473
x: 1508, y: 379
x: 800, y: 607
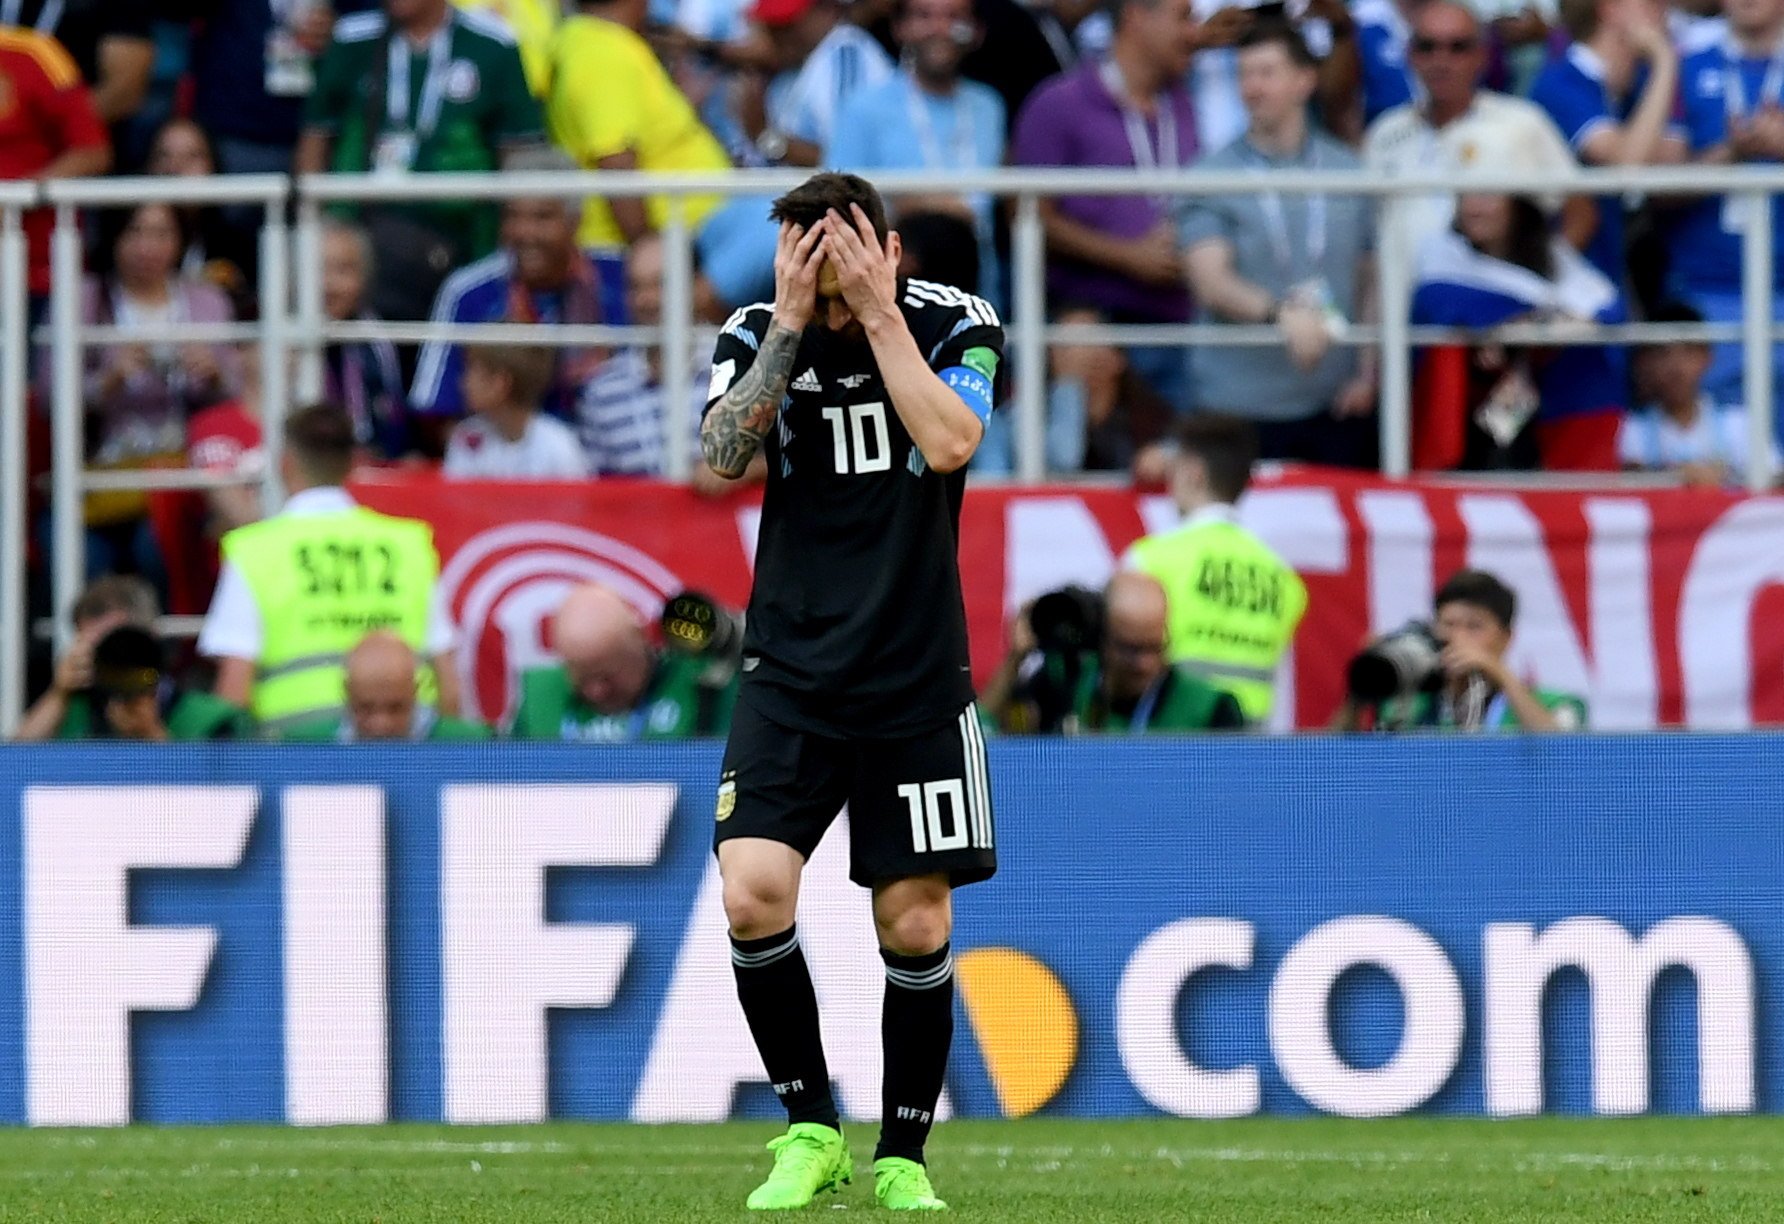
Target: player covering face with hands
x: 867, y: 394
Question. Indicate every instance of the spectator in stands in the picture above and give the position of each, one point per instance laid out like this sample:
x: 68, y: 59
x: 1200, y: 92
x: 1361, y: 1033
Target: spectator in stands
x: 138, y: 396
x: 539, y: 275
x: 110, y: 42
x: 216, y: 250
x: 505, y: 437
x: 134, y: 698
x: 1115, y: 258
x: 48, y: 130
x: 383, y: 702
x: 1024, y: 44
x: 1384, y: 33
x: 1457, y: 126
x: 612, y: 106
x: 612, y: 685
x: 622, y: 408
x: 104, y: 605
x: 1681, y: 429
x: 927, y: 118
x: 822, y: 59
x: 253, y: 64
x: 1301, y: 262
x: 363, y: 376
x: 1474, y: 614
x: 299, y: 589
x: 1234, y: 604
x: 1590, y: 91
x: 1560, y: 406
x: 1733, y: 99
x: 1324, y: 25
x: 226, y: 440
x: 419, y: 87
x: 1695, y: 25
x: 1124, y: 686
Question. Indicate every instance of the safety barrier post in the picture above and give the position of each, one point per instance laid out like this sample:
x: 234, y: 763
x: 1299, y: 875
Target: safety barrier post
x: 275, y: 351
x: 68, y: 429
x: 1756, y: 332
x: 308, y: 277
x: 1028, y: 255
x: 1394, y: 293
x: 676, y: 353
x: 14, y: 529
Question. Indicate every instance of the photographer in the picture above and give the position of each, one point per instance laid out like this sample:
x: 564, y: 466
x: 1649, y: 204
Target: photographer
x: 1083, y: 665
x: 613, y: 686
x: 131, y: 697
x: 1451, y: 674
x: 383, y: 702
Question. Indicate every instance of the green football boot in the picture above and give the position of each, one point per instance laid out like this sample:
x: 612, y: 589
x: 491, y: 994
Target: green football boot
x: 903, y: 1185
x: 807, y: 1159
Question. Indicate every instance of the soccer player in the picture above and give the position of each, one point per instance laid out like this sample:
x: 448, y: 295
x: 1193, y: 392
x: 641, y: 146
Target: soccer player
x: 868, y: 395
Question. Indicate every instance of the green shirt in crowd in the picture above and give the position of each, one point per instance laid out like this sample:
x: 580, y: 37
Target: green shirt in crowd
x: 1424, y: 711
x: 191, y: 718
x: 676, y: 706
x: 437, y: 730
x: 1179, y: 701
x: 448, y: 107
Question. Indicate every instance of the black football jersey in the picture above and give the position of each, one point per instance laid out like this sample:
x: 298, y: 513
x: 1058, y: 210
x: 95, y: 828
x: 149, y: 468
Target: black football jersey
x: 856, y: 624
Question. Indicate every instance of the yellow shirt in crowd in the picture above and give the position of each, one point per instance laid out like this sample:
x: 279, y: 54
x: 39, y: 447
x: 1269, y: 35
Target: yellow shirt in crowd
x: 609, y: 94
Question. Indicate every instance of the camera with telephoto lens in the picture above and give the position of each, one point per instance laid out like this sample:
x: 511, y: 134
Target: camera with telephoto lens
x: 694, y: 623
x: 1068, y: 630
x: 1404, y: 663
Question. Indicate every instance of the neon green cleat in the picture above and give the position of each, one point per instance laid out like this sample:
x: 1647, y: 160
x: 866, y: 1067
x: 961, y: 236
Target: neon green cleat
x: 903, y: 1185
x: 807, y: 1159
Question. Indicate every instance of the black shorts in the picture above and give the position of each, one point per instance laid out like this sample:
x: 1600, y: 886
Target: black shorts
x: 917, y: 805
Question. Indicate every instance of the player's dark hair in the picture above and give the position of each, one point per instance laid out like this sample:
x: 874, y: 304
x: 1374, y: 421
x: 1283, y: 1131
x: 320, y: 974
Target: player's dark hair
x: 811, y: 201
x: 1479, y: 589
x: 320, y: 439
x: 1274, y: 32
x: 1227, y: 447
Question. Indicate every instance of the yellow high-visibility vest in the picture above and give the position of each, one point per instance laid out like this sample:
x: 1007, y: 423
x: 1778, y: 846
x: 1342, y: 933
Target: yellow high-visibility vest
x: 1234, y: 605
x: 321, y: 583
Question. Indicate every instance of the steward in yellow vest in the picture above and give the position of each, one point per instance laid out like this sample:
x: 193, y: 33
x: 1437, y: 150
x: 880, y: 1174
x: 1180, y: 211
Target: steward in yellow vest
x: 1234, y: 604
x: 301, y: 589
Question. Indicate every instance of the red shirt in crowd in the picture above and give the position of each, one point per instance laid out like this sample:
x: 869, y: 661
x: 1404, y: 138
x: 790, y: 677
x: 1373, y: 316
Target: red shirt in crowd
x: 45, y: 111
x: 224, y: 439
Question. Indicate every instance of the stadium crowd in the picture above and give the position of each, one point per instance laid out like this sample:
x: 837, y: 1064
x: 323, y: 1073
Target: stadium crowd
x: 205, y: 87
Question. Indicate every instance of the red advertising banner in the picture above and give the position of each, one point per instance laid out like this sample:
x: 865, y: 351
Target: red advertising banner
x: 1660, y: 607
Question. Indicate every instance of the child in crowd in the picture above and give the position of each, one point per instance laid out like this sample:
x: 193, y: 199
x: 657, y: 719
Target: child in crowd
x: 1679, y: 429
x: 506, y: 437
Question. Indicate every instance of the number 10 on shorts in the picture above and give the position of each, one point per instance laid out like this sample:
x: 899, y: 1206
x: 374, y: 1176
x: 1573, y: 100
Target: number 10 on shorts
x: 925, y: 803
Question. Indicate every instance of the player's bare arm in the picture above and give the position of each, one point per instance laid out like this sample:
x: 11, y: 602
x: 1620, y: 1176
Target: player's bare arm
x: 733, y: 430
x: 944, y: 428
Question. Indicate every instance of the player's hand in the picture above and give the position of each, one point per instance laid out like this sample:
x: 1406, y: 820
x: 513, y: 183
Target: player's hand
x: 796, y: 260
x: 866, y: 270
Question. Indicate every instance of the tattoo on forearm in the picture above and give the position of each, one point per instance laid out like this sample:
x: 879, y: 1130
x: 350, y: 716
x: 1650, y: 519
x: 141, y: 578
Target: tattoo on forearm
x: 733, y: 431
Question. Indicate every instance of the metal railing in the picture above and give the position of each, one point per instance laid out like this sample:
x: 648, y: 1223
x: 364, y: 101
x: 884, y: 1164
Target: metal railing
x: 293, y: 317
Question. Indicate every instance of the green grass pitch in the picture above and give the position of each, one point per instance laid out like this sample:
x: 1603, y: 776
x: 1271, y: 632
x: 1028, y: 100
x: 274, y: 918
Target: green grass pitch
x: 1250, y: 1172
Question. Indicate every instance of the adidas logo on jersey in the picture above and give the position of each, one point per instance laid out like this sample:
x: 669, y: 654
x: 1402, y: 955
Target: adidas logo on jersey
x: 808, y: 381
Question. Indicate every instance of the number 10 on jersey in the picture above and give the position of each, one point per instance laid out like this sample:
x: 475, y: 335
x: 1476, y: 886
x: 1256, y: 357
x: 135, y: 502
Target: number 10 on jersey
x: 863, y: 443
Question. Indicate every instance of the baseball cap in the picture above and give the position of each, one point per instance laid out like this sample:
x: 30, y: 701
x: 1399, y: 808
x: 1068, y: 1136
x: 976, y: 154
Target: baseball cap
x: 779, y: 12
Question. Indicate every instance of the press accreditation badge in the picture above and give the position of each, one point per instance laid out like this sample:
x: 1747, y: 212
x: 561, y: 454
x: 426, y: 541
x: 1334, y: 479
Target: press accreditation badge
x: 289, y: 70
x: 394, y: 153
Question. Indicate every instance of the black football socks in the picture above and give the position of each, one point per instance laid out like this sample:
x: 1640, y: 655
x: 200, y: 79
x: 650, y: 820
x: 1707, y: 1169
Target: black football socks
x: 774, y: 986
x: 916, y: 1028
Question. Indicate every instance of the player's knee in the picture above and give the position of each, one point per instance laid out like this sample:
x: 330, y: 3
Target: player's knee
x: 757, y: 907
x: 916, y: 929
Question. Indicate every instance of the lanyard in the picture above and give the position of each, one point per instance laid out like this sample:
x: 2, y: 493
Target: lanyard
x: 1276, y: 217
x: 1147, y: 704
x: 965, y: 150
x: 433, y: 86
x: 1734, y: 89
x: 48, y: 17
x: 1167, y: 155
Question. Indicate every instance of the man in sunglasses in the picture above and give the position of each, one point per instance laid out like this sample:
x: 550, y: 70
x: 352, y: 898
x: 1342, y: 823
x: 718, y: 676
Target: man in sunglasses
x: 1460, y: 127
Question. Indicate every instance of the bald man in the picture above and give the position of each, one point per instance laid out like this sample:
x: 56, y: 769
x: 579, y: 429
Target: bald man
x: 611, y: 685
x: 382, y: 705
x: 1125, y: 688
